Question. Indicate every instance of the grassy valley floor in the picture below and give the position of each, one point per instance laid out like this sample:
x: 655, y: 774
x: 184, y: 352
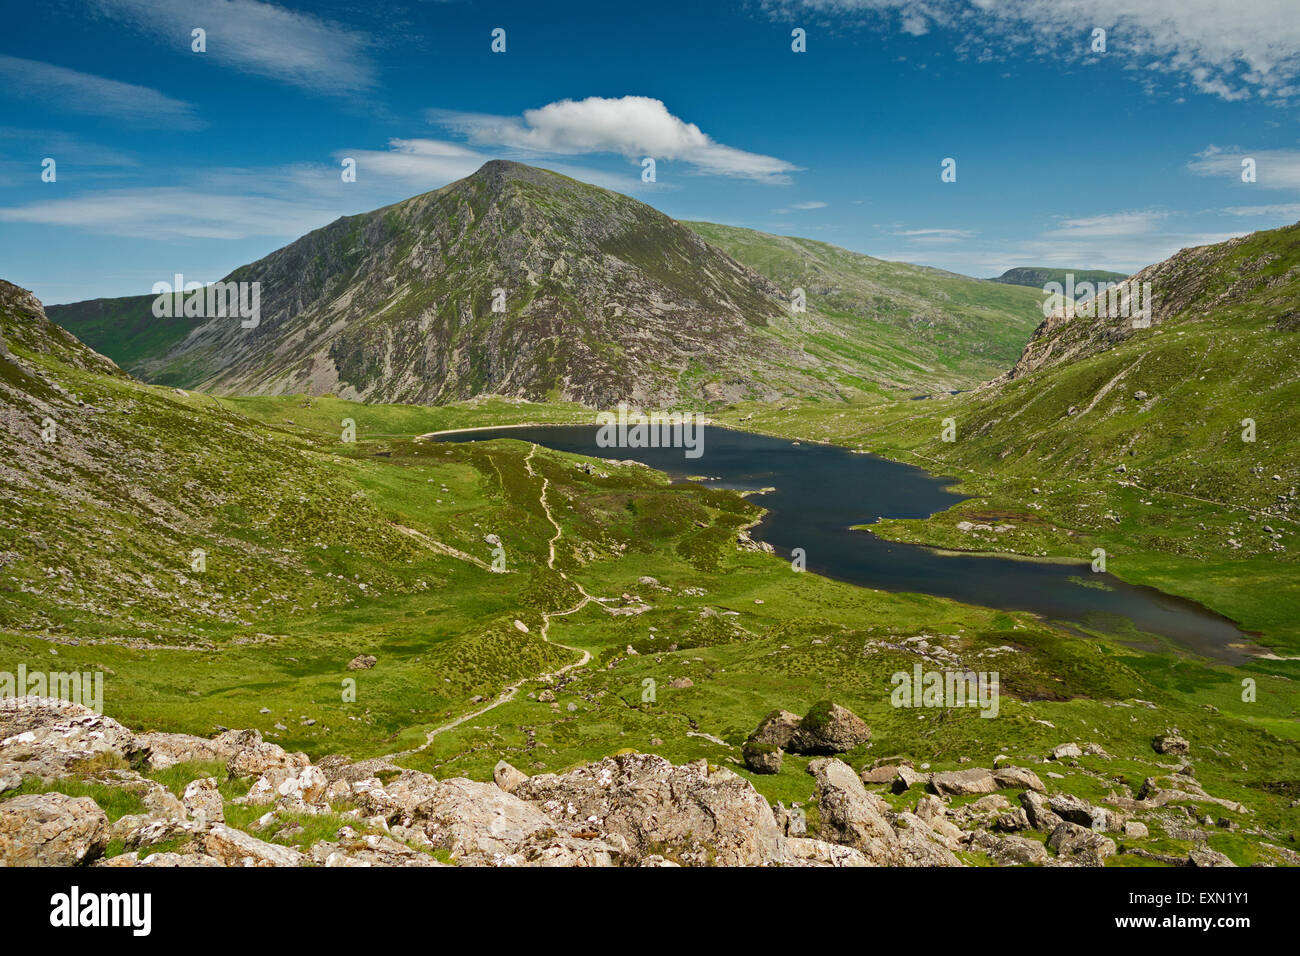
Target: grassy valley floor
x: 382, y: 547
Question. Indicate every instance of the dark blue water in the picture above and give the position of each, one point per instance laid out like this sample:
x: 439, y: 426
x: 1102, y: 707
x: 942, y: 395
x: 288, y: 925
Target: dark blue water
x: 822, y: 491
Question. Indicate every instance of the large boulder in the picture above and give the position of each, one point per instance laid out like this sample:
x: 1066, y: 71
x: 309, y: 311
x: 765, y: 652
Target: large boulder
x: 853, y: 817
x: 1080, y: 844
x: 237, y: 848
x: 691, y: 814
x: 963, y: 783
x: 1018, y: 778
x: 762, y: 757
x: 259, y: 757
x: 51, y: 829
x: 776, y: 729
x: 507, y: 777
x: 828, y: 729
x: 1171, y: 744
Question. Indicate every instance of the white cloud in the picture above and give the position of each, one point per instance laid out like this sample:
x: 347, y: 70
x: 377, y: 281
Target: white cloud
x: 76, y: 92
x: 423, y: 163
x: 808, y: 205
x: 630, y: 126
x: 1274, y: 168
x: 1229, y: 50
x: 258, y: 38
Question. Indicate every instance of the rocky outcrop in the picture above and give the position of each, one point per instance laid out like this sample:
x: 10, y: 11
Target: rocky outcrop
x: 693, y: 814
x: 630, y: 809
x: 50, y: 829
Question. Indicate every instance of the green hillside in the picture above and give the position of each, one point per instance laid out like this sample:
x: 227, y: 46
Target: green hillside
x: 945, y: 329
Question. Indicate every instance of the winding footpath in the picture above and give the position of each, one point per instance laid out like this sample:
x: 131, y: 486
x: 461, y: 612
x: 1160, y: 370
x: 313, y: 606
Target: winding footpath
x: 547, y: 616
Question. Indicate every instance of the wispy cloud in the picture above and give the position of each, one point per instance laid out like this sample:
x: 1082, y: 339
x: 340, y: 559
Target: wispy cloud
x: 1274, y: 168
x: 258, y: 38
x: 935, y: 235
x: 1109, y: 225
x: 72, y: 91
x: 631, y: 126
x: 176, y: 213
x: 1229, y: 50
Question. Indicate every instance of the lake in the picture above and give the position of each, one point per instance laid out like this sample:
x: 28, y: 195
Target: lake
x: 823, y: 490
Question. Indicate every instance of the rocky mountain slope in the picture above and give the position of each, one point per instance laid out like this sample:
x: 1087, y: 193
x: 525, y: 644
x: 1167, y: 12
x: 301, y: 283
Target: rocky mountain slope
x: 602, y: 299
x: 1166, y: 405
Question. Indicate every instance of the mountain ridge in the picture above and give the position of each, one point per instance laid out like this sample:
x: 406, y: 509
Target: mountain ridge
x: 605, y: 299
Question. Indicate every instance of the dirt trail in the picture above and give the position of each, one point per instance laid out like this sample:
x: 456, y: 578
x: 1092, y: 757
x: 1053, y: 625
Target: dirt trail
x: 547, y: 616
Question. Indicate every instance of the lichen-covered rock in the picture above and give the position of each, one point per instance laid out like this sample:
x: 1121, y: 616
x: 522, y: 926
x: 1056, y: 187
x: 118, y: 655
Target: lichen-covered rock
x: 51, y: 829
x: 507, y: 777
x: 236, y: 848
x: 1009, y: 850
x: 692, y: 814
x: 202, y: 801
x: 260, y: 757
x: 801, y: 851
x: 478, y: 823
x: 167, y: 750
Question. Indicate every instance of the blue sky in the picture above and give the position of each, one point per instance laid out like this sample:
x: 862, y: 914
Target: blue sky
x: 169, y: 160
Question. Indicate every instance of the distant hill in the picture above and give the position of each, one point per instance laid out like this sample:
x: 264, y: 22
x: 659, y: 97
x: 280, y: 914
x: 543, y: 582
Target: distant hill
x: 1037, y: 276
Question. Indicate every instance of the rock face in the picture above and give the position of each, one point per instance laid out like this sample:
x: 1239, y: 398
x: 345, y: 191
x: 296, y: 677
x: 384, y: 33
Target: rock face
x: 50, y: 829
